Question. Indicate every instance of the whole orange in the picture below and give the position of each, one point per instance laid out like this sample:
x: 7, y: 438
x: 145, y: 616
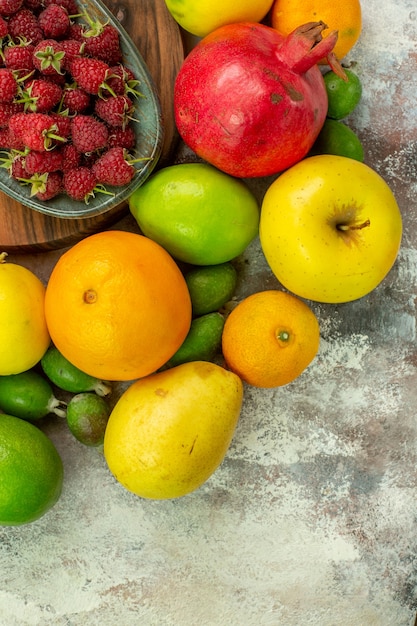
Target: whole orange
x: 117, y: 306
x: 345, y: 16
x: 270, y: 338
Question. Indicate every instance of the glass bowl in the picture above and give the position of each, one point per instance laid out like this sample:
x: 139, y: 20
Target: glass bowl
x: 148, y: 129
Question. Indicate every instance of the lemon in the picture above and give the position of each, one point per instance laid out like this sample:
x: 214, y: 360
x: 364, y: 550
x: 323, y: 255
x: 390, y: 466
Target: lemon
x: 211, y: 287
x: 31, y: 472
x: 343, y: 96
x: 24, y: 336
x: 203, y: 340
x: 204, y: 16
x: 338, y: 139
x: 200, y: 215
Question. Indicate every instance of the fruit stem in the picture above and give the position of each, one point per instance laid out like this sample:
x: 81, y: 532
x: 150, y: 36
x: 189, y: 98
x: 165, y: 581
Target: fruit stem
x: 345, y: 227
x: 3, y: 256
x: 102, y: 389
x: 59, y: 407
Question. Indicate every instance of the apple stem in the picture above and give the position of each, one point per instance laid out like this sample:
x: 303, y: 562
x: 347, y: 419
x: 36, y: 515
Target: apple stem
x: 346, y: 227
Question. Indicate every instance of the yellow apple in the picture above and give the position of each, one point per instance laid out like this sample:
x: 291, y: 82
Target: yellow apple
x: 202, y: 17
x: 330, y: 229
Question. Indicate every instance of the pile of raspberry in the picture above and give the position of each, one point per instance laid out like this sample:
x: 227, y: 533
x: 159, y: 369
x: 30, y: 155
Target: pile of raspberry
x: 67, y: 100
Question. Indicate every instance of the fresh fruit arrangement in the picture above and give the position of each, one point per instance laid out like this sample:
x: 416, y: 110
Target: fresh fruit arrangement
x: 157, y: 309
x: 68, y: 102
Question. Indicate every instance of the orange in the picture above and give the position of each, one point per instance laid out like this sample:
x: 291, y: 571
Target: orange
x: 345, y: 16
x: 117, y: 306
x: 270, y: 338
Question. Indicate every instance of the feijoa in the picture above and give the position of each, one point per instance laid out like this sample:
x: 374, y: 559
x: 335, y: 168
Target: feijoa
x: 211, y: 287
x: 202, y: 342
x: 68, y: 377
x: 87, y: 417
x: 29, y: 395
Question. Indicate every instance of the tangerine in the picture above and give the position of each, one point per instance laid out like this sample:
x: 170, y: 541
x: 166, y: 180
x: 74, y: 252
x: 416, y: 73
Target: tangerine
x: 345, y: 16
x: 270, y: 338
x: 117, y: 305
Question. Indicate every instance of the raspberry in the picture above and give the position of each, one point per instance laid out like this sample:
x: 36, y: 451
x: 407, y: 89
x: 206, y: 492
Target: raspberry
x: 102, y: 42
x: 37, y: 131
x: 71, y: 157
x: 52, y: 187
x: 24, y: 25
x: 124, y: 138
x: 70, y: 5
x: 41, y: 95
x: 115, y: 111
x: 19, y: 57
x: 88, y: 134
x: 8, y: 85
x: 48, y: 57
x: 75, y: 99
x: 7, y: 109
x: 79, y: 183
x: 8, y: 7
x: 90, y: 74
x: 4, y: 29
x: 113, y: 168
x: 43, y: 162
x: 122, y: 81
x: 9, y: 141
x: 72, y: 49
x: 54, y: 21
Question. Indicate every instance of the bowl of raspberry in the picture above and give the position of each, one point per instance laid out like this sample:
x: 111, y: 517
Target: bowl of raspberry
x: 80, y: 119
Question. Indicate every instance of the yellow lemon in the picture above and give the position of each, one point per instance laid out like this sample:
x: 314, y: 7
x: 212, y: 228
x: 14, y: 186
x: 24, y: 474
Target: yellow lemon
x: 24, y: 337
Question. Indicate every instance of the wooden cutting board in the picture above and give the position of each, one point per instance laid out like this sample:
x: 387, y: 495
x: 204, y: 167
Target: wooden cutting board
x: 158, y: 39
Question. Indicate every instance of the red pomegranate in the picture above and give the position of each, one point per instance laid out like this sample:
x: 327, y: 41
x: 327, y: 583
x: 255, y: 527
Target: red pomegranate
x: 250, y: 101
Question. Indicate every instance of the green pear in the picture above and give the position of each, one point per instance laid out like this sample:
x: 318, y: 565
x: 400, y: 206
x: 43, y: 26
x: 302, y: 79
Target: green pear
x: 169, y: 431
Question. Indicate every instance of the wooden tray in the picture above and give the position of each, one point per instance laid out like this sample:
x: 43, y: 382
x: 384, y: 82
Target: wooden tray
x: 159, y: 41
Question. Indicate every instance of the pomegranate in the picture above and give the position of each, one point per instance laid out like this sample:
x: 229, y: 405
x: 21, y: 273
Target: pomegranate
x: 250, y: 101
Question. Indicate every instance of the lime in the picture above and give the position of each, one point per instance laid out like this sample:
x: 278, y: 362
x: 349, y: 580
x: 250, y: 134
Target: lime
x: 343, y: 96
x: 29, y: 396
x: 200, y: 215
x: 31, y: 472
x: 87, y: 417
x: 211, y: 287
x: 337, y: 138
x: 202, y: 342
x: 68, y: 377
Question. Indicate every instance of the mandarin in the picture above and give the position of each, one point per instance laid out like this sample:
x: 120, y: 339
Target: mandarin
x: 345, y: 16
x: 117, y: 305
x: 270, y: 338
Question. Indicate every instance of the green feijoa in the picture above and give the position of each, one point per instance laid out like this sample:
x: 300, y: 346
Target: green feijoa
x: 343, y: 95
x: 29, y: 395
x: 337, y: 138
x: 202, y: 342
x: 87, y: 417
x: 68, y: 377
x: 211, y: 287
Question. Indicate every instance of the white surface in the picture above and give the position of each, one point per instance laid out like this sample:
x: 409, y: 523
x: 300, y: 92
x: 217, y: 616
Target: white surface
x: 311, y: 519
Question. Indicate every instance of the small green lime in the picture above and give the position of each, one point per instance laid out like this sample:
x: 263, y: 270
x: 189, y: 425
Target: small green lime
x: 29, y: 396
x: 31, y: 472
x: 202, y: 342
x: 343, y: 96
x: 68, y: 377
x: 199, y: 214
x: 87, y: 417
x: 337, y: 138
x: 211, y: 287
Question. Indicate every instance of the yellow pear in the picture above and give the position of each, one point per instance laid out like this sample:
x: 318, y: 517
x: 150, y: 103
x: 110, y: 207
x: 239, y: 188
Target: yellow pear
x: 169, y: 431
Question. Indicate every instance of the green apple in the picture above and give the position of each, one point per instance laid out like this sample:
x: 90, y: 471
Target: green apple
x: 330, y: 229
